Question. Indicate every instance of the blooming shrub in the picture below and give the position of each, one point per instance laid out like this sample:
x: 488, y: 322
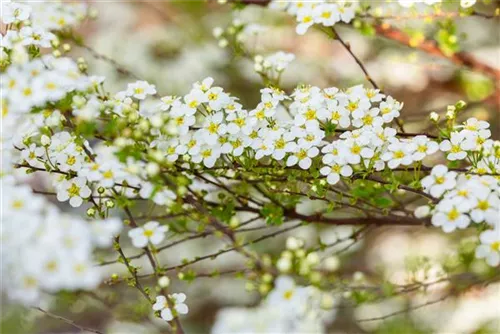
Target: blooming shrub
x: 141, y: 168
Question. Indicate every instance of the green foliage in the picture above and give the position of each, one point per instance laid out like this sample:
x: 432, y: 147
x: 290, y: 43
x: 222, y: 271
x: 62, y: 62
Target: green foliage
x: 273, y: 214
x: 447, y: 38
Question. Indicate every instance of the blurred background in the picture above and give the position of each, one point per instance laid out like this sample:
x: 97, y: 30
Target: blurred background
x: 171, y: 44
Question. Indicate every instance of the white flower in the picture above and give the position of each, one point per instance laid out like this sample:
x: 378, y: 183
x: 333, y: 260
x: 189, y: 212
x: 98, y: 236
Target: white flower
x: 195, y: 98
x: 423, y: 147
x: 32, y: 154
x: 439, y: 181
x: 21, y: 202
x: 467, y: 3
x: 346, y: 10
x: 75, y: 190
x: 212, y: 129
x: 140, y: 89
x: 207, y: 154
x: 486, y: 207
x: 35, y: 36
x: 151, y: 232
x: 399, y: 153
x: 104, y: 230
x: 333, y: 172
x: 302, y: 156
x: 326, y: 14
x: 177, y: 299
x: 490, y: 247
x: 217, y: 99
x: 352, y: 150
x: 389, y: 109
x: 454, y: 146
x: 450, y: 216
x: 14, y: 11
x: 287, y: 296
x: 305, y: 20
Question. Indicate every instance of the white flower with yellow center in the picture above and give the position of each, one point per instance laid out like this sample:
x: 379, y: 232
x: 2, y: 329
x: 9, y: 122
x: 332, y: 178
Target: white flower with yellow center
x: 423, y: 147
x: 212, y: 129
x: 334, y: 171
x: 450, y: 216
x: 151, y: 232
x: 140, y: 90
x: 287, y: 296
x: 399, y: 153
x: 302, y: 156
x: 454, y: 146
x: 217, y: 99
x: 490, y: 246
x: 486, y: 207
x: 75, y: 190
x: 326, y: 14
x: 439, y: 181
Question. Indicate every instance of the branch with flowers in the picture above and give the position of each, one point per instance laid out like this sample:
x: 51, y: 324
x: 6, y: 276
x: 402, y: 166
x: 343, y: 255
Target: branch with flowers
x: 96, y: 178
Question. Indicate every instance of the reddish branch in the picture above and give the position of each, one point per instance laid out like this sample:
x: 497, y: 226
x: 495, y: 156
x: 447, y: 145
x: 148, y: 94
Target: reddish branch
x: 427, y: 46
x: 430, y: 47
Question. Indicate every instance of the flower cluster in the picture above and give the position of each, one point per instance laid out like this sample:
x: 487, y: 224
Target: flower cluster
x: 229, y: 129
x: 32, y: 25
x: 465, y: 199
x: 289, y: 308
x: 324, y: 13
x: 47, y: 79
x: 52, y: 251
x: 272, y: 66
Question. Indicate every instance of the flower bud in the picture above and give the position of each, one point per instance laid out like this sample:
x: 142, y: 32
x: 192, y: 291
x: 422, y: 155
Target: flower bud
x: 284, y: 264
x: 422, y: 211
x: 327, y: 301
x: 91, y: 212
x: 164, y: 281
x: 234, y: 222
x: 434, y: 116
x: 217, y: 32
x: 312, y: 258
x: 45, y: 140
x: 293, y: 243
x: 332, y: 263
x: 152, y: 169
x: 223, y: 43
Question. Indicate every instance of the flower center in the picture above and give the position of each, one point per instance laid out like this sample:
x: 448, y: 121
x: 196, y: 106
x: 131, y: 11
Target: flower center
x: 483, y: 205
x: 453, y: 214
x: 495, y: 246
x: 440, y: 179
x: 288, y: 294
x: 74, y: 190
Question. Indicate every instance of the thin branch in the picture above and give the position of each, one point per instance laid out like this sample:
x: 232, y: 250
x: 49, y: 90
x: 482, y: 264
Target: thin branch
x: 68, y: 321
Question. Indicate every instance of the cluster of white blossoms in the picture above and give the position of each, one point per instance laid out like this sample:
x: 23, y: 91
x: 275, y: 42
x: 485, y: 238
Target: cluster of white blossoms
x: 47, y: 79
x: 325, y: 13
x: 289, y: 308
x: 35, y: 22
x: 272, y: 66
x: 168, y: 313
x: 47, y: 250
x: 465, y: 200
x: 237, y: 31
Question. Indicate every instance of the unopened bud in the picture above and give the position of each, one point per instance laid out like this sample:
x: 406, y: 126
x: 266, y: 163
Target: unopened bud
x: 164, y: 281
